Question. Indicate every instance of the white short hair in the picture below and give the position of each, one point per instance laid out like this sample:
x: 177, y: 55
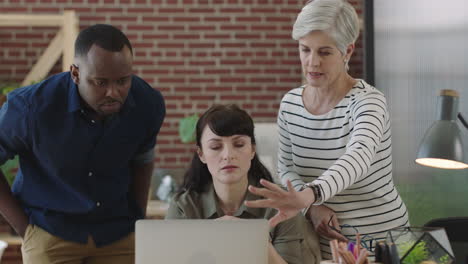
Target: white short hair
x: 335, y: 17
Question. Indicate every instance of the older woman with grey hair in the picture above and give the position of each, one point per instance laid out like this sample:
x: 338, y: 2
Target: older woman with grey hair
x: 335, y: 152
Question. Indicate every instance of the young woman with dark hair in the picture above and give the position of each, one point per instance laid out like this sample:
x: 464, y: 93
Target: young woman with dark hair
x: 215, y: 185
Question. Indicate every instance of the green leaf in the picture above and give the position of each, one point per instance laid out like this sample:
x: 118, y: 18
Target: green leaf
x: 187, y: 126
x: 418, y: 253
x: 9, y: 169
x: 6, y: 88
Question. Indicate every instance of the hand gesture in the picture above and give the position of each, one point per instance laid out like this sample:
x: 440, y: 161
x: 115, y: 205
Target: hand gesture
x: 288, y: 203
x: 325, y: 222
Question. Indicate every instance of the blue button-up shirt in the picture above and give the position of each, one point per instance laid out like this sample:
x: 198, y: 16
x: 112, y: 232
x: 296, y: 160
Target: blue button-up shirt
x: 75, y: 174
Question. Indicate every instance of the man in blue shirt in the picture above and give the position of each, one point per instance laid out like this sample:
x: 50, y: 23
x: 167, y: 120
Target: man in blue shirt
x: 85, y: 140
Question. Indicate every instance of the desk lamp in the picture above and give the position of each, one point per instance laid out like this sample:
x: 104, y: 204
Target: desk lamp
x: 442, y: 145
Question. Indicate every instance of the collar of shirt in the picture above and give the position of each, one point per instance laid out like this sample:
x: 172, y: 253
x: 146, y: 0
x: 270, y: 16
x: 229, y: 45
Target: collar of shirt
x: 211, y: 208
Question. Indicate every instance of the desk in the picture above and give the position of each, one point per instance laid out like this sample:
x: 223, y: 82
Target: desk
x: 11, y: 239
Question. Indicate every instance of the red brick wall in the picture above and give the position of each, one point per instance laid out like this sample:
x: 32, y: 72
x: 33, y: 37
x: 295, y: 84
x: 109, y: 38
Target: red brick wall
x: 196, y: 52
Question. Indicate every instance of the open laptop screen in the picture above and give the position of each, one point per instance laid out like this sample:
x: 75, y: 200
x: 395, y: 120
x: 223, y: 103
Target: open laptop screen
x: 201, y: 241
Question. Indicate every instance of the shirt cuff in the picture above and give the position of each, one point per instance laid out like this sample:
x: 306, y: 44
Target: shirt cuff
x: 319, y: 200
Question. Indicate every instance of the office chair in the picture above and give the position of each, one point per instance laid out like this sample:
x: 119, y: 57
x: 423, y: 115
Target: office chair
x: 266, y: 137
x: 457, y: 232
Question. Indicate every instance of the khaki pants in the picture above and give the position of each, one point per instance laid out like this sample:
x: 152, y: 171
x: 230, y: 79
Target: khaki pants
x: 310, y: 245
x: 40, y: 247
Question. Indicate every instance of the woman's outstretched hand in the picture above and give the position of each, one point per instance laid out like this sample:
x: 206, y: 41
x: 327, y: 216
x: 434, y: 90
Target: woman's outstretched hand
x: 288, y: 203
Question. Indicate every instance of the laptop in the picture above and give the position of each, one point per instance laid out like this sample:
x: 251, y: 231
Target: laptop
x: 201, y: 241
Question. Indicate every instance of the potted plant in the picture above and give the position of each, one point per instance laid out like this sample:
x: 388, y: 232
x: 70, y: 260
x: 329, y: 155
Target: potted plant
x: 187, y: 127
x: 418, y: 245
x: 9, y: 169
x: 421, y: 252
x: 11, y: 166
x: 5, y: 89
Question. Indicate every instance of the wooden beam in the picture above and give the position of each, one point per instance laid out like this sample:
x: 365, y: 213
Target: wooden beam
x: 70, y: 30
x: 63, y: 43
x: 31, y: 20
x: 46, y: 61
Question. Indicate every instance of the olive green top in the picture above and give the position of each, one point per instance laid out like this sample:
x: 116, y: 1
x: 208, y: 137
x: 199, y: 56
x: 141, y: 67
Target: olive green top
x: 286, y: 237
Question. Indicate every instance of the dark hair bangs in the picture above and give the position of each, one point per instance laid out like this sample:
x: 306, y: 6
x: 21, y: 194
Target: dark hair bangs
x: 225, y: 121
x: 227, y: 124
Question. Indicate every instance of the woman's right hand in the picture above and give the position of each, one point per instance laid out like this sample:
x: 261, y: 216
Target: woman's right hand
x: 288, y: 203
x: 325, y: 222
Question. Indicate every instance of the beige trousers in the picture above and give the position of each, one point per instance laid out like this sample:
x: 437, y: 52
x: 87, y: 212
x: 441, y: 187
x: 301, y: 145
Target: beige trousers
x: 310, y: 245
x: 40, y: 247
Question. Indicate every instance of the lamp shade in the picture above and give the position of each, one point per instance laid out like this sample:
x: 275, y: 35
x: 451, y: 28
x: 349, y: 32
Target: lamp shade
x: 442, y: 145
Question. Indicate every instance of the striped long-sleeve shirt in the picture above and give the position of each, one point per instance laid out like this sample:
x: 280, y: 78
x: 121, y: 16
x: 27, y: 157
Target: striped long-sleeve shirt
x: 347, y: 152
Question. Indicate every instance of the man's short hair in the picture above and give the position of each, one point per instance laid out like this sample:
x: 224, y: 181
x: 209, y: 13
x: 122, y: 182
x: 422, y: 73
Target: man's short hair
x: 105, y: 36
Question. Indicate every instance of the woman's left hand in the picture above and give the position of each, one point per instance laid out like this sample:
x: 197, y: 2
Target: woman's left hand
x: 288, y: 203
x: 325, y: 222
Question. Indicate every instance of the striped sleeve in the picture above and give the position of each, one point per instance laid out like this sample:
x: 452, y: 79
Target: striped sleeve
x: 369, y: 115
x: 286, y: 170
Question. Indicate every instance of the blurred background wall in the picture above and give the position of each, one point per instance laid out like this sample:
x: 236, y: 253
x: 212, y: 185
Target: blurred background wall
x: 420, y: 49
